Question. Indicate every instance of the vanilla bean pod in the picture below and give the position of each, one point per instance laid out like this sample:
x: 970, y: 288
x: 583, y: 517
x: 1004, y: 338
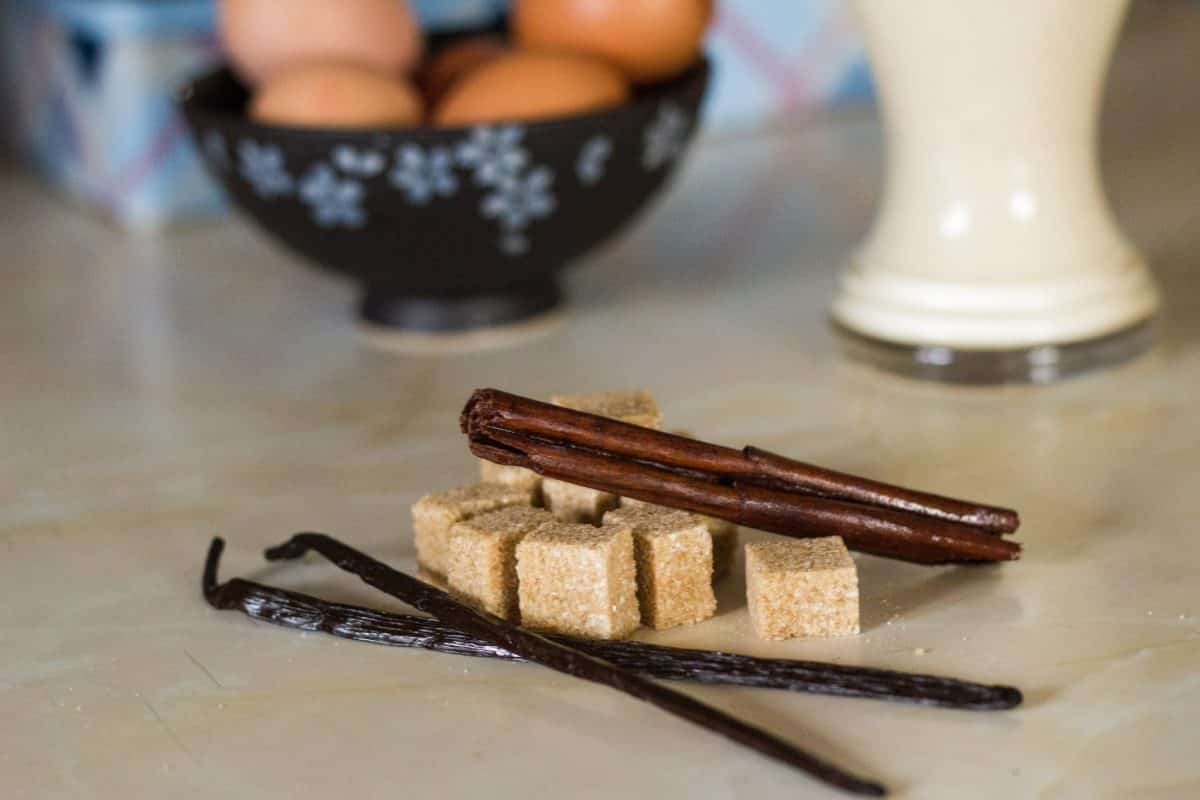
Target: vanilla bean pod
x: 304, y: 612
x: 564, y: 658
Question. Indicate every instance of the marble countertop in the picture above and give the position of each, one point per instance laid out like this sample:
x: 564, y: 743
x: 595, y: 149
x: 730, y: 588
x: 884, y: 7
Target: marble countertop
x: 158, y: 392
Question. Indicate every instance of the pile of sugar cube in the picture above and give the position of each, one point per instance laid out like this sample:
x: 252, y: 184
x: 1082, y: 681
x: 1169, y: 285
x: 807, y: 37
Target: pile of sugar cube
x: 561, y: 558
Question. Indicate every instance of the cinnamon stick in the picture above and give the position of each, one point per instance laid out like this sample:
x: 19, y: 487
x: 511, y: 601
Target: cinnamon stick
x: 682, y: 473
x: 489, y: 408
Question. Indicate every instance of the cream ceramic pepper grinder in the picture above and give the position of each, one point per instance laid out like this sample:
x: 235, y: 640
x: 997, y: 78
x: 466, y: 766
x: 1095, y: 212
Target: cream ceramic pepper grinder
x: 994, y: 256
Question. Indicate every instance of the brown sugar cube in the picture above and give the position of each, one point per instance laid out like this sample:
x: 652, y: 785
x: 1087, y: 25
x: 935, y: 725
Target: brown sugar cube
x: 482, y: 561
x: 578, y: 580
x: 724, y: 538
x: 517, y: 477
x: 635, y: 407
x: 802, y: 587
x: 435, y: 514
x: 572, y: 503
x: 673, y: 550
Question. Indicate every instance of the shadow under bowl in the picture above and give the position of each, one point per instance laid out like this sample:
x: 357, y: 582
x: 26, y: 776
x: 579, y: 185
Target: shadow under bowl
x: 447, y: 229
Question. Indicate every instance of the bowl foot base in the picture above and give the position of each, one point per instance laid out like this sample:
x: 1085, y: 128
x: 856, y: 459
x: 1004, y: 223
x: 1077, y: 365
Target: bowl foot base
x: 459, y: 313
x: 1040, y: 364
x: 442, y: 324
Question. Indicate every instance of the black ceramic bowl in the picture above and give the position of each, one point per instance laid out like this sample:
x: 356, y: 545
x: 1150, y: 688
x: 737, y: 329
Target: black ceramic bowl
x: 447, y: 229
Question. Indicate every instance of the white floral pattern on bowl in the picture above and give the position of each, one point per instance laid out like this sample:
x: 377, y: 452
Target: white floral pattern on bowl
x: 516, y: 192
x: 666, y: 137
x: 360, y: 163
x: 262, y: 165
x: 494, y: 154
x: 593, y: 159
x: 424, y: 174
x: 335, y: 201
x: 519, y: 201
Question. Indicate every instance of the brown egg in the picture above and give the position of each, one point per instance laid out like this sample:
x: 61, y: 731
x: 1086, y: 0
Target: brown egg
x: 456, y: 60
x: 264, y: 36
x: 650, y: 40
x: 530, y: 85
x: 334, y: 95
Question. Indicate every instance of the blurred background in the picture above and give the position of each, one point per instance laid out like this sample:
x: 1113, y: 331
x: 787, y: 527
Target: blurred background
x: 89, y: 87
x: 90, y: 95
